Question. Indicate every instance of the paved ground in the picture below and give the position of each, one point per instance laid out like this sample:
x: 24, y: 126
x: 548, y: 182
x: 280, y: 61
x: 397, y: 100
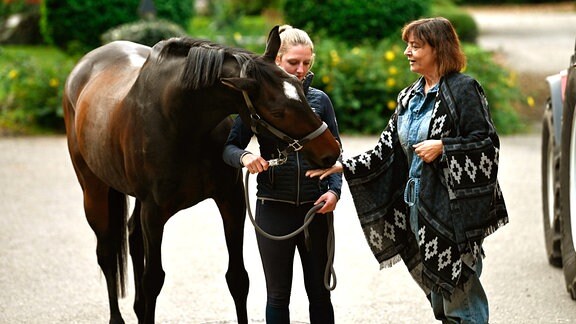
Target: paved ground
x: 49, y: 274
x: 48, y: 271
x: 535, y: 39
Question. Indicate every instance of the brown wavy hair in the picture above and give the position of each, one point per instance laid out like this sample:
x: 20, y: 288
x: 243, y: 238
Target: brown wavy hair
x: 439, y: 33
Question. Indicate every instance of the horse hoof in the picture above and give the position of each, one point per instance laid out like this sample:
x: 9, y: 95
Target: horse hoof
x: 116, y: 320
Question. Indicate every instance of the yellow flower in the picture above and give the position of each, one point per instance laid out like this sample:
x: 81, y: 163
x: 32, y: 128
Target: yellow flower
x: 389, y: 55
x: 335, y: 57
x: 530, y: 101
x: 325, y: 79
x: 13, y: 74
x: 511, y: 80
x: 391, y: 104
x: 237, y: 36
x: 392, y: 70
x: 355, y: 51
x: 54, y: 83
x: 390, y: 82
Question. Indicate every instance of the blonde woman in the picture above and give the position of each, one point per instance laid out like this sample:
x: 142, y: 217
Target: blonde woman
x: 285, y: 195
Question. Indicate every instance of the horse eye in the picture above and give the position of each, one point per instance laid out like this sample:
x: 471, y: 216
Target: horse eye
x: 278, y: 114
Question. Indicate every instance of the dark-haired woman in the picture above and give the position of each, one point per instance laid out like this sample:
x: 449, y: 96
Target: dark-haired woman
x: 428, y: 192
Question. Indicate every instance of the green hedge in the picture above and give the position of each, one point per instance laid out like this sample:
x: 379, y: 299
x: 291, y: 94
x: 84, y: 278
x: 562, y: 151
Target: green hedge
x: 462, y: 21
x: 147, y: 32
x: 8, y: 8
x: 363, y: 83
x: 501, y: 2
x: 353, y: 21
x: 76, y: 25
x: 177, y: 11
x: 31, y: 83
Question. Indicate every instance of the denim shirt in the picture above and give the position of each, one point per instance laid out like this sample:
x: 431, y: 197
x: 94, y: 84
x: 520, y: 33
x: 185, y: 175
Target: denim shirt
x: 413, y: 125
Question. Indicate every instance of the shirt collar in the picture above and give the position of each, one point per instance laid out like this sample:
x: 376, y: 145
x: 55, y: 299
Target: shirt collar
x: 420, y: 87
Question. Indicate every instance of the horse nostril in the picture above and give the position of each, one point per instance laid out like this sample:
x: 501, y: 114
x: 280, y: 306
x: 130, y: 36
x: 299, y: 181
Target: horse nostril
x: 328, y: 161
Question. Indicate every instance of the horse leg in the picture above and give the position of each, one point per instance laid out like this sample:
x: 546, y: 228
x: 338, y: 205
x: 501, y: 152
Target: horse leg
x: 233, y: 211
x: 152, y: 224
x: 106, y: 213
x: 137, y: 254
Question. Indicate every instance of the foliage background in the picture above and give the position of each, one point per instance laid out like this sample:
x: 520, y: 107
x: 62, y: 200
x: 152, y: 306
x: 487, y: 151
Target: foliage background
x: 354, y: 21
x: 362, y: 75
x: 31, y: 81
x: 76, y: 25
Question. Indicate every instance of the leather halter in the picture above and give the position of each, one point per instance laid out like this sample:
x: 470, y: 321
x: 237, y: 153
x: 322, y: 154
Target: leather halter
x: 294, y: 145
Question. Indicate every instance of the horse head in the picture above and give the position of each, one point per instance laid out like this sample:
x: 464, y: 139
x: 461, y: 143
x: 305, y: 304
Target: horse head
x: 276, y: 104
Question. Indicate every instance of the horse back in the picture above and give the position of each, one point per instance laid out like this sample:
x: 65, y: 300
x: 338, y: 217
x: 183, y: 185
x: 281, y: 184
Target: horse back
x: 110, y: 69
x: 94, y: 90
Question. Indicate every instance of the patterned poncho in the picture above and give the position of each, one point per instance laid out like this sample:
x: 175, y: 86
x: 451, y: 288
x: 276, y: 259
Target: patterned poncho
x: 460, y: 198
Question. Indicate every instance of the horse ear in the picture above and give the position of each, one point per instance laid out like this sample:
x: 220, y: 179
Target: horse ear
x: 240, y: 84
x: 272, y: 44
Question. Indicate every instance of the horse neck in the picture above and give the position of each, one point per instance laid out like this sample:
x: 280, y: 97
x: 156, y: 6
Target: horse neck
x: 185, y: 111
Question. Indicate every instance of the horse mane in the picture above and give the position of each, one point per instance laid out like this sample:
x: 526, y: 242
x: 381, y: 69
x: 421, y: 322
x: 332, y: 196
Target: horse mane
x: 204, y: 59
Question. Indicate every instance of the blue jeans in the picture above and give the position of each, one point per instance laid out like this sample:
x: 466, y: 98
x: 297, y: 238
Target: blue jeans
x: 469, y: 305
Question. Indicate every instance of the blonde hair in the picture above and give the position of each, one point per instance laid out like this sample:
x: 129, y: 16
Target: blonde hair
x: 290, y: 37
x: 439, y: 34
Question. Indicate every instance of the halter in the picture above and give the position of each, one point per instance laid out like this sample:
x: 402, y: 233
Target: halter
x: 293, y: 144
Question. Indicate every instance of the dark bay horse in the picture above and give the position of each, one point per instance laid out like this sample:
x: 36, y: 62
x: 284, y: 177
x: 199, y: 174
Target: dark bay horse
x: 151, y: 123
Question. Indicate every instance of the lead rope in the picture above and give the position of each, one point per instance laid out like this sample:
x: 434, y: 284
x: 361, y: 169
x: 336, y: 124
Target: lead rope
x: 329, y: 273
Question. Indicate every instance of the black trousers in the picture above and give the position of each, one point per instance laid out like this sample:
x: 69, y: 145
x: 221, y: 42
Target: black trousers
x: 279, y: 218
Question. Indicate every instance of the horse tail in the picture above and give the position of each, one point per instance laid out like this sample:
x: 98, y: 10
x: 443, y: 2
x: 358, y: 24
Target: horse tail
x: 118, y: 211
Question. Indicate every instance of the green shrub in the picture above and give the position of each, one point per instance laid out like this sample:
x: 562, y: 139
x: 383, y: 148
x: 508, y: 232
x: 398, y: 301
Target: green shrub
x: 147, y: 32
x: 177, y: 11
x: 249, y: 32
x: 353, y: 21
x: 462, y: 21
x: 254, y: 7
x: 77, y: 25
x: 8, y: 8
x: 501, y: 2
x: 363, y: 83
x: 31, y: 83
x: 464, y: 24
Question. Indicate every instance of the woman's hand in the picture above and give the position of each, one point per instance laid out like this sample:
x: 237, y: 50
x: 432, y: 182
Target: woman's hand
x: 428, y: 150
x: 254, y: 163
x: 323, y: 173
x: 330, y: 200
